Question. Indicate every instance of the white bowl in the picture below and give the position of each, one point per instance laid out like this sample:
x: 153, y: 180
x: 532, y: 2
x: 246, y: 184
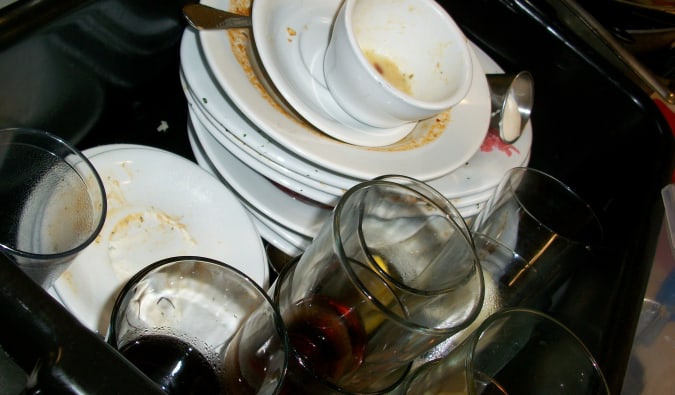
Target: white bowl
x: 392, y: 62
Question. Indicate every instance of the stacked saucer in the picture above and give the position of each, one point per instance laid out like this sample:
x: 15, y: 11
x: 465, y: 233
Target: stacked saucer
x: 287, y: 172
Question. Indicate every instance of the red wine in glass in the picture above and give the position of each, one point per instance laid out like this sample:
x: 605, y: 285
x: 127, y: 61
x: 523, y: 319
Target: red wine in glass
x: 328, y: 339
x: 175, y: 365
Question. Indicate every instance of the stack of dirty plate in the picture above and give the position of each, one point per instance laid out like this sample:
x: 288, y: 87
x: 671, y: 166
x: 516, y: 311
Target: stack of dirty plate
x: 287, y: 172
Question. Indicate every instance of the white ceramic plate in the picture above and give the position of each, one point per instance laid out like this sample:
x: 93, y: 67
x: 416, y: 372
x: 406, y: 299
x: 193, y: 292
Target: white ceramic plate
x: 159, y: 205
x: 264, y: 225
x: 231, y: 122
x: 255, y: 190
x: 291, y: 38
x: 479, y: 173
x: 434, y: 148
x: 486, y: 168
x: 274, y: 205
x: 275, y: 239
x: 228, y: 138
x: 262, y: 168
x: 300, y: 242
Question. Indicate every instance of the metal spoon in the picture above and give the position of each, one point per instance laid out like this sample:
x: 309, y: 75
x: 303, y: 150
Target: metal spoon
x: 202, y: 17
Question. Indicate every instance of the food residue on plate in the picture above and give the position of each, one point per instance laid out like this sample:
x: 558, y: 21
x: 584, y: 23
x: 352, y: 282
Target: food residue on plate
x: 145, y: 232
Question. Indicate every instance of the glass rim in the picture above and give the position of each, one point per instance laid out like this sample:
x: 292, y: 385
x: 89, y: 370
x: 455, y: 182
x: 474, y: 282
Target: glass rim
x: 43, y: 258
x: 508, y: 311
x: 452, y: 211
x: 598, y: 234
x: 330, y: 385
x: 280, y: 328
x: 356, y: 281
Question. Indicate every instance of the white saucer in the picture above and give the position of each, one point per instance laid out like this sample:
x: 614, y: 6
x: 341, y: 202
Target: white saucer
x: 291, y: 38
x: 159, y: 205
x: 434, y: 148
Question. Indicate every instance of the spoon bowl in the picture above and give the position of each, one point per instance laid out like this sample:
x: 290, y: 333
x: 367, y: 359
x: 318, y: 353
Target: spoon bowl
x: 203, y: 17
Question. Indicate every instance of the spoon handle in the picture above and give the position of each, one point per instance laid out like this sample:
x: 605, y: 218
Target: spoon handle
x: 203, y: 17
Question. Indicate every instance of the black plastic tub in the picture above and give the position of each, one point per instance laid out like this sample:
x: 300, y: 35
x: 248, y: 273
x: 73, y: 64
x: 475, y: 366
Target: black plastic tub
x: 99, y: 72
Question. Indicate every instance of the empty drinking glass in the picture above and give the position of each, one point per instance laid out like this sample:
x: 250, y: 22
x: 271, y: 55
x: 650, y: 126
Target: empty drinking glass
x: 515, y: 351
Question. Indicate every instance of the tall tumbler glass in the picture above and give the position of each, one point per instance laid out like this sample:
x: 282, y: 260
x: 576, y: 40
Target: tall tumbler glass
x: 515, y: 351
x: 195, y: 325
x: 433, y: 195
x: 508, y: 283
x: 389, y: 275
x: 53, y: 202
x: 544, y: 221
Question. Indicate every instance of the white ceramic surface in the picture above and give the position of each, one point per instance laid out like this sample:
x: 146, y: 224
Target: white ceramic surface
x: 159, y: 205
x: 257, y: 191
x: 291, y: 39
x: 479, y: 173
x: 264, y: 225
x: 391, y: 62
x: 296, y: 217
x: 486, y: 168
x: 244, y: 147
x: 267, y: 170
x: 232, y: 123
x: 434, y: 148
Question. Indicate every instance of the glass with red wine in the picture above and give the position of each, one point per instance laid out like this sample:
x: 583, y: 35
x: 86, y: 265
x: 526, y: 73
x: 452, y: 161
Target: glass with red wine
x: 198, y: 326
x: 390, y: 275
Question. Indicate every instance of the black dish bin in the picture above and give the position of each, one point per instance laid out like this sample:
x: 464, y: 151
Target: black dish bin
x: 594, y: 128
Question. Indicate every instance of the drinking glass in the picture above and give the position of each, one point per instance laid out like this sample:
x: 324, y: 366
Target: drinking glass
x: 196, y: 325
x: 433, y: 195
x: 389, y: 275
x: 515, y: 351
x: 53, y: 202
x: 509, y: 282
x: 544, y: 221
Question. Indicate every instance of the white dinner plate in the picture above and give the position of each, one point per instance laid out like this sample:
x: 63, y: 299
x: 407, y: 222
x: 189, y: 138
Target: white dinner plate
x: 228, y: 138
x: 310, y: 188
x: 275, y: 239
x: 291, y: 38
x: 486, y: 168
x: 300, y: 242
x: 269, y: 172
x: 159, y: 205
x: 264, y: 225
x: 435, y: 147
x: 479, y: 173
x: 215, y: 102
x: 255, y: 190
x: 275, y: 205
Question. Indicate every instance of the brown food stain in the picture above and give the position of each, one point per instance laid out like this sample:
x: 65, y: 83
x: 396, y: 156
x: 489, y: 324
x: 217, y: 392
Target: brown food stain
x: 291, y: 33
